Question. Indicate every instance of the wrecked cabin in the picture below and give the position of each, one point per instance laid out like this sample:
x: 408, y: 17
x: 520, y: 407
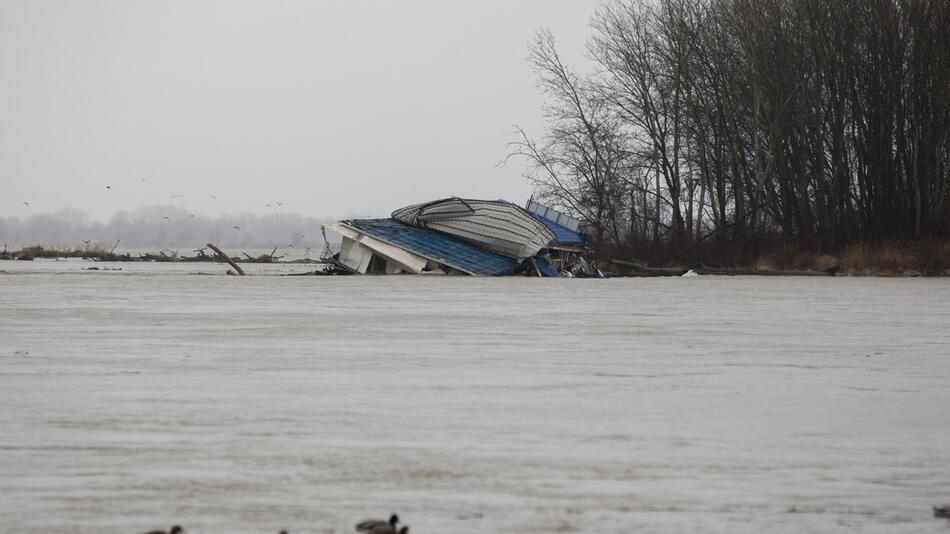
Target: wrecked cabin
x: 464, y: 236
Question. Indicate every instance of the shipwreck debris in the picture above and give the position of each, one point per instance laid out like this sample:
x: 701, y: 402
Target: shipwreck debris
x: 495, y: 225
x: 464, y: 236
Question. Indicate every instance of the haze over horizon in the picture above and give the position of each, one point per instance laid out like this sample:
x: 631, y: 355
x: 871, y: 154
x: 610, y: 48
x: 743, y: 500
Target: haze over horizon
x: 328, y: 109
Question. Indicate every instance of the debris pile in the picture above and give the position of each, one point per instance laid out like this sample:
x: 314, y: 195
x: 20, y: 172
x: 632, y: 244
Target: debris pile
x: 465, y: 236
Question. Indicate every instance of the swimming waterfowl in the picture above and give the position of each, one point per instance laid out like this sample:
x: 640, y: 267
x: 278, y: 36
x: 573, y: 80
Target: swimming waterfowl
x: 376, y: 526
x: 381, y: 527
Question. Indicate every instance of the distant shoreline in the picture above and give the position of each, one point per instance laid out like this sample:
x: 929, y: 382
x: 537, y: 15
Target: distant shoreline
x: 917, y: 259
x: 99, y: 253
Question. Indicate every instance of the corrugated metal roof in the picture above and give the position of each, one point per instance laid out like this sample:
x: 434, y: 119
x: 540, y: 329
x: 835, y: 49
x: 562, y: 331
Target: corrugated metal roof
x: 562, y: 234
x: 436, y: 246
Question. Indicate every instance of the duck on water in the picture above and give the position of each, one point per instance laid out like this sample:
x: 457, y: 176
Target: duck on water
x: 376, y: 526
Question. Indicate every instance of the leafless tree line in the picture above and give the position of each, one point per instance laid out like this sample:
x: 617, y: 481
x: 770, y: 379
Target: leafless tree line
x: 736, y: 119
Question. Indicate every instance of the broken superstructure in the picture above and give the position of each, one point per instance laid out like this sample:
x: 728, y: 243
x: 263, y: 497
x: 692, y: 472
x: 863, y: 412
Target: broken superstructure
x: 465, y: 236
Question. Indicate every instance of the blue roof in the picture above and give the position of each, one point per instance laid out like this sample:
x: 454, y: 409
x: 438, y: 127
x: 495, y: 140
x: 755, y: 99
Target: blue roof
x: 436, y: 246
x: 562, y: 234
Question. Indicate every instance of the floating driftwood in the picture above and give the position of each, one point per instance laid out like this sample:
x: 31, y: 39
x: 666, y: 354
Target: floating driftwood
x: 702, y: 269
x: 237, y: 268
x: 637, y: 269
x: 316, y: 272
x: 263, y: 258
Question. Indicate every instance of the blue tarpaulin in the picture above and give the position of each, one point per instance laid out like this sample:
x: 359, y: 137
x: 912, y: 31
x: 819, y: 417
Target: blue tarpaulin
x: 562, y: 234
x: 436, y: 246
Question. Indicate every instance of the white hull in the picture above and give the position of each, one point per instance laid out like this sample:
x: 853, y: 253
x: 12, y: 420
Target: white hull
x: 498, y: 226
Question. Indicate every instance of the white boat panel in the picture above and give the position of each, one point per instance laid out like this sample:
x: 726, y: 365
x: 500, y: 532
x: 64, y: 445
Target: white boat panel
x: 408, y: 261
x: 354, y: 255
x: 494, y: 225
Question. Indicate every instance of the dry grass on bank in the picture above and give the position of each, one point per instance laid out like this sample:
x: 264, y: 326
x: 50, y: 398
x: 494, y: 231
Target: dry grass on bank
x: 928, y: 257
x: 923, y: 257
x: 29, y: 253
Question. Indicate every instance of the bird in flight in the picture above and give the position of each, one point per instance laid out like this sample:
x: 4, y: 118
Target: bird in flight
x: 214, y: 197
x: 85, y: 242
x: 236, y: 227
x: 142, y: 179
x: 108, y: 187
x: 178, y: 196
x: 25, y: 203
x: 280, y: 203
x: 166, y: 218
x: 267, y: 205
x: 192, y: 215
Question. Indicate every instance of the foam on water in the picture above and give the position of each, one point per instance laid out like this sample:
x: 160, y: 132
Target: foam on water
x: 132, y: 400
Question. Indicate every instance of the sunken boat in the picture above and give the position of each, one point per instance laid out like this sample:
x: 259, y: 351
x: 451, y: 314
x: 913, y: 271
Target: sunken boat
x: 463, y: 236
x: 495, y: 225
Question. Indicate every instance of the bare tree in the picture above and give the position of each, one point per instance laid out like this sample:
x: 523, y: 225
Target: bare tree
x: 579, y: 162
x: 741, y: 119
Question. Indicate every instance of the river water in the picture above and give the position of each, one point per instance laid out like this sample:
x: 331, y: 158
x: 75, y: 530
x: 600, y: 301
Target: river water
x: 134, y: 399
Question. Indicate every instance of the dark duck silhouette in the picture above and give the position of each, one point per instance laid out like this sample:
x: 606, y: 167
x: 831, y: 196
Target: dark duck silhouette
x: 174, y: 530
x: 376, y: 526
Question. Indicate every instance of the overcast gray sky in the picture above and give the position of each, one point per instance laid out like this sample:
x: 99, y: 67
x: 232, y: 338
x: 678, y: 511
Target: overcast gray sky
x: 331, y: 107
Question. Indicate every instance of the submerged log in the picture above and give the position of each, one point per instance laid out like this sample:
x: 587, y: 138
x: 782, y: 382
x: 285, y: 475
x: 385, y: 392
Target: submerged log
x: 704, y: 270
x: 637, y: 269
x: 237, y: 268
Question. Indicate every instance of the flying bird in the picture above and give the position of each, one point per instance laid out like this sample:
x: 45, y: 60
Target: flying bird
x: 166, y: 218
x: 280, y: 203
x: 267, y: 205
x: 214, y: 197
x: 25, y: 203
x: 142, y: 179
x: 178, y: 196
x: 85, y: 242
x: 236, y: 227
x: 192, y: 215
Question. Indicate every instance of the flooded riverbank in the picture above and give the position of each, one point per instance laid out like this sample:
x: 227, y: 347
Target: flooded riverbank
x: 135, y: 399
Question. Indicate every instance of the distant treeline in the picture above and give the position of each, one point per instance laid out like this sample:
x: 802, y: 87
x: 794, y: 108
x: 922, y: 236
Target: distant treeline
x: 813, y: 120
x: 163, y: 227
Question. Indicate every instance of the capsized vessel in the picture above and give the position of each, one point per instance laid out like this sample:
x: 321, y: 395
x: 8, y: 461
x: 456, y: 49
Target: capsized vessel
x: 494, y: 225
